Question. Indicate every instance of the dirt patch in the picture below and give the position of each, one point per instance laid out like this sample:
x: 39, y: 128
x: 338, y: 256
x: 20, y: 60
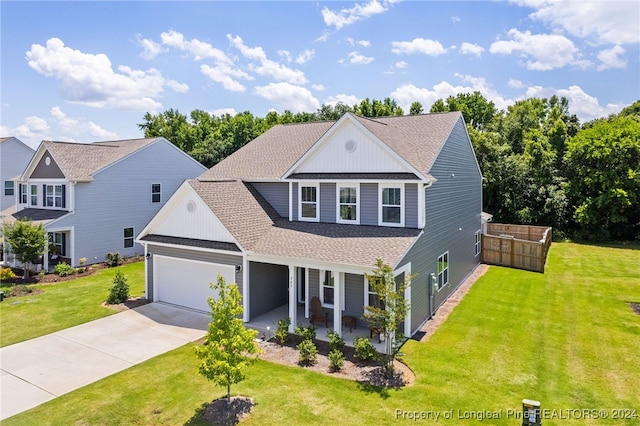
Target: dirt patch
x: 352, y: 369
x: 132, y: 303
x: 221, y: 412
x: 635, y: 307
x: 443, y: 311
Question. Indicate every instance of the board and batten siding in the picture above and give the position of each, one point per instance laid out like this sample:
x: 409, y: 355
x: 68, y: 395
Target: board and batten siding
x: 369, y: 204
x: 327, y: 202
x: 182, y: 253
x: 269, y: 287
x: 120, y: 197
x: 276, y: 194
x: 453, y: 214
x: 411, y: 205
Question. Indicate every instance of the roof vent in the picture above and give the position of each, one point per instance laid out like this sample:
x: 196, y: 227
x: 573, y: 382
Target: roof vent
x: 350, y: 146
x: 191, y: 206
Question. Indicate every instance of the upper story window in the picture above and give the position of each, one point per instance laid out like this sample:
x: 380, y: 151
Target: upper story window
x: 443, y: 270
x: 391, y: 207
x: 348, y: 211
x: 8, y: 187
x: 156, y: 192
x: 54, y: 196
x: 23, y: 193
x: 308, y: 195
x: 34, y: 195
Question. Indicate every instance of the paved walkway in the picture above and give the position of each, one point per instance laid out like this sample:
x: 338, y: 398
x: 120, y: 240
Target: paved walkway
x: 38, y: 370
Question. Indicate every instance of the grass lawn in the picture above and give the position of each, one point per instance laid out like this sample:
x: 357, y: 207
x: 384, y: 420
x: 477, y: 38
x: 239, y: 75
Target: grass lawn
x: 64, y: 304
x: 566, y: 338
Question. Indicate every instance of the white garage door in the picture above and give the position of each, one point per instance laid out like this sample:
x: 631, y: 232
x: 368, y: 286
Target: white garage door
x: 187, y: 282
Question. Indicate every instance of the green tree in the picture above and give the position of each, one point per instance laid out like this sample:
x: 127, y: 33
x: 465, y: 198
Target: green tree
x: 376, y: 108
x: 26, y: 240
x: 416, y: 108
x: 390, y: 309
x: 119, y: 292
x: 229, y: 346
x: 604, y: 159
x: 475, y: 108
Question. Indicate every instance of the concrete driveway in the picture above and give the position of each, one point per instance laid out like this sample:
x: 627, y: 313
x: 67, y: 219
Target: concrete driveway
x: 43, y: 368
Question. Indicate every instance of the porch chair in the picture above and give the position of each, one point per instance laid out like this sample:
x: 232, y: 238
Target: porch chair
x: 317, y: 313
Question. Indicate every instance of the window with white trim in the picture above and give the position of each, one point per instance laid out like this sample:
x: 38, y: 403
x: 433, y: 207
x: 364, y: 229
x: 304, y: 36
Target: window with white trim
x: 308, y: 195
x: 478, y: 241
x: 57, y: 246
x: 54, y: 196
x: 372, y: 297
x: 327, y: 289
x: 443, y: 270
x: 391, y: 208
x: 128, y: 237
x: 34, y: 195
x: 347, y: 203
x: 23, y: 193
x: 156, y: 192
x: 8, y: 187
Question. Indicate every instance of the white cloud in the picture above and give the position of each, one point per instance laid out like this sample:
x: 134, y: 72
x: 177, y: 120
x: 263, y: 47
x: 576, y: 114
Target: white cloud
x: 223, y: 75
x: 418, y: 45
x: 267, y: 67
x: 151, y: 49
x: 305, y: 56
x: 516, y: 84
x: 585, y: 106
x: 32, y: 130
x: 89, y: 79
x: 222, y: 111
x: 455, y: 19
x: 199, y: 50
x: 610, y: 58
x: 178, y: 87
x: 349, y: 100
x: 318, y: 87
x: 401, y: 65
x: 471, y: 49
x: 79, y: 129
x: 363, y: 43
x: 289, y: 97
x: 357, y: 58
x: 543, y: 51
x: 346, y: 17
x: 614, y: 22
x: 285, y: 54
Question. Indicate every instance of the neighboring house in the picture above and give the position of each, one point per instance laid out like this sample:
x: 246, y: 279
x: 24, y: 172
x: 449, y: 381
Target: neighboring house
x: 93, y: 198
x: 305, y: 210
x: 14, y: 157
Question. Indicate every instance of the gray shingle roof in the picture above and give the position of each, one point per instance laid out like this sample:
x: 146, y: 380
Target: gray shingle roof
x: 36, y: 216
x: 79, y: 161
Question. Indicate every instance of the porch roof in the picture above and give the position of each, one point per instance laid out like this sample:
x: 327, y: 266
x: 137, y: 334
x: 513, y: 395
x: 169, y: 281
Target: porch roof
x: 36, y: 216
x: 259, y: 229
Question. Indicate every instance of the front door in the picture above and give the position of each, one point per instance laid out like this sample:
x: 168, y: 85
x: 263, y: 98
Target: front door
x: 301, y: 282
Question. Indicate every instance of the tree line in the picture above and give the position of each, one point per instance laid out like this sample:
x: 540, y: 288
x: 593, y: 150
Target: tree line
x: 540, y: 165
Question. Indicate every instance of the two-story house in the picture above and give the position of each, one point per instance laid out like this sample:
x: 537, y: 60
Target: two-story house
x: 14, y: 157
x: 304, y: 211
x: 93, y: 198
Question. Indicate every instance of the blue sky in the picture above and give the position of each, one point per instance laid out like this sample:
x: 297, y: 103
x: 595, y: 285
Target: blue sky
x: 89, y: 71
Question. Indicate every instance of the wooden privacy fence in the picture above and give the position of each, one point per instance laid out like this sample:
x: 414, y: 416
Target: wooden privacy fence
x: 516, y: 246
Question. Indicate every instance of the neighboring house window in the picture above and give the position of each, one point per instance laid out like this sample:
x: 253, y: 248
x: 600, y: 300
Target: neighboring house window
x: 57, y: 245
x: 34, y: 195
x: 8, y: 187
x: 309, y: 202
x: 327, y: 289
x: 443, y: 270
x: 23, y: 193
x: 478, y: 241
x: 128, y: 237
x: 348, y: 203
x: 54, y: 196
x: 391, y: 210
x: 155, y: 192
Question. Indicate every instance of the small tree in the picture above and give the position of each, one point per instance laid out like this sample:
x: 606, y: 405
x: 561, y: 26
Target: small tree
x: 229, y: 346
x: 390, y: 309
x: 119, y: 293
x: 27, y: 241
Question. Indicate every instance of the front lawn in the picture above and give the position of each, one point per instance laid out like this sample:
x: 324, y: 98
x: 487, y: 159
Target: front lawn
x: 566, y: 338
x: 64, y: 304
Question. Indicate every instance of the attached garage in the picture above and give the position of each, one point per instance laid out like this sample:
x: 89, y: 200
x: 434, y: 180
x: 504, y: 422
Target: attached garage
x: 186, y: 282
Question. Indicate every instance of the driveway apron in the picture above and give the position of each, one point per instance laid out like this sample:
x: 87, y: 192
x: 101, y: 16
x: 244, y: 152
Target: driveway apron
x: 38, y: 370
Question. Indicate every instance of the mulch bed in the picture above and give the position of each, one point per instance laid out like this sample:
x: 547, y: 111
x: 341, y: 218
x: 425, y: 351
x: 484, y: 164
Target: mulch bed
x: 635, y: 307
x: 220, y: 412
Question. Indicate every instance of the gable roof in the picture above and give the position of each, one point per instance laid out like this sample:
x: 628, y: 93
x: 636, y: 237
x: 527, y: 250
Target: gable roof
x: 80, y: 161
x: 9, y: 138
x: 259, y: 229
x: 417, y: 139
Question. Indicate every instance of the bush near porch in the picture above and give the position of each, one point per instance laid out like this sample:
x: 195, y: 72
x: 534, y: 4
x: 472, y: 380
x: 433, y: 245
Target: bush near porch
x: 567, y: 338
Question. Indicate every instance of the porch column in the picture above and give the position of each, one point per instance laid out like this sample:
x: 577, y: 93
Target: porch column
x: 337, y: 303
x: 246, y: 303
x: 45, y: 257
x: 293, y: 299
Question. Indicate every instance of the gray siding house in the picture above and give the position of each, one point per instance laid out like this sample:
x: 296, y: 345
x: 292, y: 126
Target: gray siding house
x: 93, y: 198
x: 305, y: 210
x: 14, y: 157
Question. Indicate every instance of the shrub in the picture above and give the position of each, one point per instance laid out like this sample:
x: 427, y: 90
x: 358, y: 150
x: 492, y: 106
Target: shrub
x: 6, y: 274
x: 21, y: 290
x: 282, y: 330
x: 64, y: 269
x: 336, y: 360
x: 364, y: 350
x: 113, y: 258
x: 119, y: 293
x: 307, y: 333
x: 308, y: 352
x: 336, y: 342
x: 82, y: 260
